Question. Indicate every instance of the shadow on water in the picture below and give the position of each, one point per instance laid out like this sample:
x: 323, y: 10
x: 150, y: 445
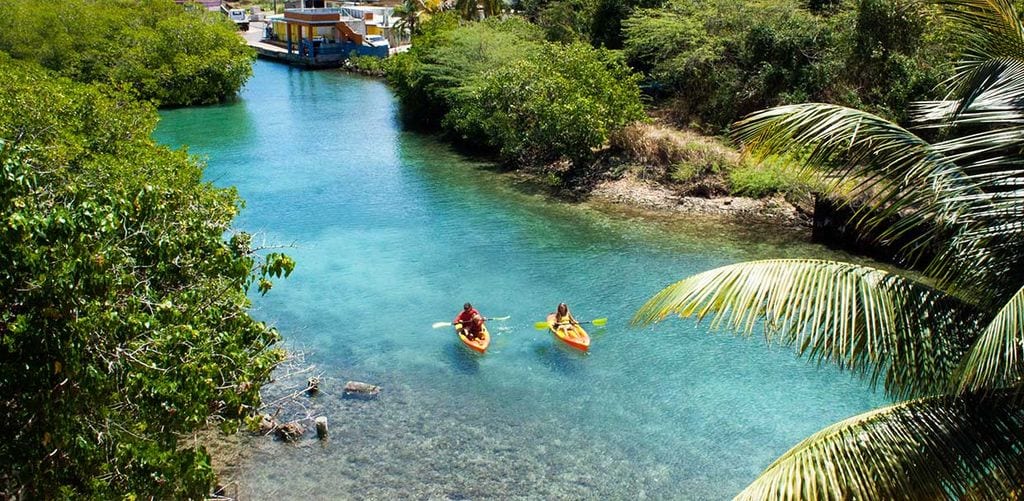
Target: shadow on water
x: 560, y: 358
x: 462, y: 359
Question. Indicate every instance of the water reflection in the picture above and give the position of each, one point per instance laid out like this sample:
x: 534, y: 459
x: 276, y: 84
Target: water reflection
x: 461, y: 359
x: 560, y: 358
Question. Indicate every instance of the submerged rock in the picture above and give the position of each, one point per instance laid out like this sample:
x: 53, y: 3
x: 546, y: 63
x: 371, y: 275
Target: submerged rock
x: 356, y: 389
x: 313, y: 385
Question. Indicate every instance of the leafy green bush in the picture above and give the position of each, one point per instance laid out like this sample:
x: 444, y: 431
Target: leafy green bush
x: 561, y: 103
x: 367, y: 64
x: 767, y: 178
x: 123, y: 316
x: 722, y: 59
x: 501, y: 88
x: 168, y: 54
x: 449, y: 56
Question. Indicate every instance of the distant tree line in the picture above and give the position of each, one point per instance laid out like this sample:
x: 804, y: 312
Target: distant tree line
x: 702, y: 63
x: 717, y: 60
x: 713, y: 61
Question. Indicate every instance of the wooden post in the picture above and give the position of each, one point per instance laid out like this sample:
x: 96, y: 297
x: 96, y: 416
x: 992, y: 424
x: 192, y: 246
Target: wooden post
x: 321, y: 427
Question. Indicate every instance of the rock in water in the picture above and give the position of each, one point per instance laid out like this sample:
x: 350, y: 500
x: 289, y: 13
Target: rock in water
x: 267, y: 424
x: 290, y: 432
x: 356, y: 389
x: 313, y: 385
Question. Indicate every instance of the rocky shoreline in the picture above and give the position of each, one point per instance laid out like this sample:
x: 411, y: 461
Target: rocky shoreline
x: 630, y: 191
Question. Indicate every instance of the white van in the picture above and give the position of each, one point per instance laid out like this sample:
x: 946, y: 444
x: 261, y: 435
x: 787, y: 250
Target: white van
x: 240, y: 18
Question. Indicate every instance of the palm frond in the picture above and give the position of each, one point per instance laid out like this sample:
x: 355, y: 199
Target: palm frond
x: 992, y: 101
x: 992, y: 39
x: 996, y: 360
x: 899, y: 172
x: 934, y: 448
x: 939, y: 198
x: 984, y: 216
x: 860, y: 318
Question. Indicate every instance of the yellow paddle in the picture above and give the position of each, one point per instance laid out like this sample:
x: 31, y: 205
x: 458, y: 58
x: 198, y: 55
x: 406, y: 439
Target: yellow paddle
x: 438, y: 325
x: 597, y: 321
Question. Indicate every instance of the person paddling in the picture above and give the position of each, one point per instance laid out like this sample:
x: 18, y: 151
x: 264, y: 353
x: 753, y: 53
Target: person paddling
x: 471, y: 320
x: 564, y: 321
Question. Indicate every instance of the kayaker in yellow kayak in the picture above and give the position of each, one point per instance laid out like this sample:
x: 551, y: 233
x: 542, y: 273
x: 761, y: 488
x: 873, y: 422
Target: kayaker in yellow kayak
x: 564, y: 321
x: 471, y: 320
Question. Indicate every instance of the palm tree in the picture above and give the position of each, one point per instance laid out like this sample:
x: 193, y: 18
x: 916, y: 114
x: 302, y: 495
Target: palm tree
x: 471, y: 9
x: 411, y: 13
x: 948, y: 347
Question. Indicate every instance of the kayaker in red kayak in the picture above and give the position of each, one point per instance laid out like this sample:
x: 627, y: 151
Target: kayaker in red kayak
x: 472, y: 321
x: 564, y: 321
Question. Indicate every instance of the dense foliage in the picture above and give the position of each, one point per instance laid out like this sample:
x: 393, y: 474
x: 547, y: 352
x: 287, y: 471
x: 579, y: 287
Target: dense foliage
x: 498, y: 85
x: 946, y: 345
x: 123, y: 315
x: 722, y: 59
x: 168, y: 54
x: 596, y: 21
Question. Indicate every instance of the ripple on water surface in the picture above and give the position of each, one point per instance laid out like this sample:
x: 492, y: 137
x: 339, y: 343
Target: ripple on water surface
x: 392, y: 232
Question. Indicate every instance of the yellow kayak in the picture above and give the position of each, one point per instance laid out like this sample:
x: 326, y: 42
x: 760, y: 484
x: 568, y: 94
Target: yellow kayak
x: 574, y: 336
x: 478, y: 345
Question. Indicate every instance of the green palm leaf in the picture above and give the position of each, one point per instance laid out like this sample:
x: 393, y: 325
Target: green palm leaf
x: 992, y: 39
x: 934, y: 448
x: 899, y: 172
x: 966, y: 192
x: 997, y: 358
x: 858, y: 317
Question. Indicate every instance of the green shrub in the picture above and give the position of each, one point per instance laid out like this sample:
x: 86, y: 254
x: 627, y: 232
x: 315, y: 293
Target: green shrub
x: 718, y: 60
x: 561, y: 103
x: 449, y: 56
x: 368, y: 64
x: 123, y: 306
x: 168, y: 54
x: 498, y: 86
x: 766, y: 178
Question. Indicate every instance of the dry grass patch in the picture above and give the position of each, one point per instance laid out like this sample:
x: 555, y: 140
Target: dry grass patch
x: 698, y: 164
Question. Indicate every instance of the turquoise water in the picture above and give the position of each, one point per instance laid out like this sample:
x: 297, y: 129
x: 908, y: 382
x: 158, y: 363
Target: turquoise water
x: 393, y: 231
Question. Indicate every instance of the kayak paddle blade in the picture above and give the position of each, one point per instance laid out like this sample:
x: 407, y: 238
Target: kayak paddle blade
x: 438, y: 325
x: 540, y: 325
x: 600, y: 321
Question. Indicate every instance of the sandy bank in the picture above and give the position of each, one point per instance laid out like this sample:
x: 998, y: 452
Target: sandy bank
x: 628, y: 190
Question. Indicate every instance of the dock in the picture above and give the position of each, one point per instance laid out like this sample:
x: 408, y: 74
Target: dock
x: 254, y: 38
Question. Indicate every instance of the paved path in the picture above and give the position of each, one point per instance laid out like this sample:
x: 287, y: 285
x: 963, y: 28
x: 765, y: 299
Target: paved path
x: 254, y: 37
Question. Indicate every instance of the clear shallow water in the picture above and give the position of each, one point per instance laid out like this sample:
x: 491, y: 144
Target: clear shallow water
x: 392, y: 231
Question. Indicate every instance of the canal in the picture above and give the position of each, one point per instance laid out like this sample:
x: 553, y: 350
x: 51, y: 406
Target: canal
x: 393, y: 231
